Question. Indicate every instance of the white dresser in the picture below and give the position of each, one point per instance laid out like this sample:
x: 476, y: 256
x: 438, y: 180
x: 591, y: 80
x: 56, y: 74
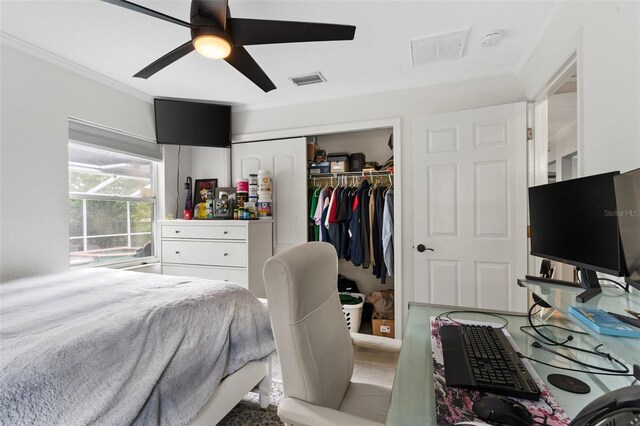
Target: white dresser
x: 227, y: 250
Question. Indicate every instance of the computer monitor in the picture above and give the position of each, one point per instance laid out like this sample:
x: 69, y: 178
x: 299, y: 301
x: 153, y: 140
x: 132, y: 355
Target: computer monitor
x: 627, y: 186
x: 575, y: 222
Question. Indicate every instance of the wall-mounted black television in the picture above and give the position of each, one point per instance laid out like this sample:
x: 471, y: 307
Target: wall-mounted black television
x: 192, y: 123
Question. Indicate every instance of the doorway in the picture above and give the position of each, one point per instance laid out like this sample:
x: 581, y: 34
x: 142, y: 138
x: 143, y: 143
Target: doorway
x: 556, y: 153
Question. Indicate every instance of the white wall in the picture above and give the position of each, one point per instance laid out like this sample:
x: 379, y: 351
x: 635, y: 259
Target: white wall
x: 173, y: 179
x: 607, y: 37
x: 197, y: 162
x: 562, y: 144
x: 37, y: 99
x: 406, y: 104
x: 211, y: 163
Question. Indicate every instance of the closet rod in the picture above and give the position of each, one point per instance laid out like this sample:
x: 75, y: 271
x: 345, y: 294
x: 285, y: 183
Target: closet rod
x: 363, y: 173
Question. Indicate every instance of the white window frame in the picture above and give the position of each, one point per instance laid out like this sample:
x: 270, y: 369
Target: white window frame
x: 92, y: 135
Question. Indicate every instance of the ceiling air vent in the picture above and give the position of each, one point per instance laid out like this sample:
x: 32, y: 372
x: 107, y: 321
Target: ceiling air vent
x: 303, y: 80
x: 443, y: 47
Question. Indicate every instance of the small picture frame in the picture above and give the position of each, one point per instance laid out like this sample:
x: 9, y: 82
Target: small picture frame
x: 200, y: 189
x: 225, y: 192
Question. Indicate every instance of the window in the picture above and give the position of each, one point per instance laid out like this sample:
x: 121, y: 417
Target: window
x: 112, y: 206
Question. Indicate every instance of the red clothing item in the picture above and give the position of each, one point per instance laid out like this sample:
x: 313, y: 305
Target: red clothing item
x: 333, y: 207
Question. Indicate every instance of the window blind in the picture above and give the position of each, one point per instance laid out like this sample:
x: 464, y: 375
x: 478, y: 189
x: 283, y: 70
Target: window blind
x: 96, y: 135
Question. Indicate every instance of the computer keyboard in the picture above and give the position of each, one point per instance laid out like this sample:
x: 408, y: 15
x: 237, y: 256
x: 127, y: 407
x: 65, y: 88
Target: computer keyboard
x: 482, y: 358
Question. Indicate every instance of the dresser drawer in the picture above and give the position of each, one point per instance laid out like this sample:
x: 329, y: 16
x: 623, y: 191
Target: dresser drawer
x: 233, y: 275
x: 219, y: 232
x: 214, y: 253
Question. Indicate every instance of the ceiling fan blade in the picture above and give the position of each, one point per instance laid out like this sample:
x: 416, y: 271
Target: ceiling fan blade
x: 144, y: 10
x: 243, y: 62
x: 166, y: 60
x: 211, y: 10
x: 256, y: 31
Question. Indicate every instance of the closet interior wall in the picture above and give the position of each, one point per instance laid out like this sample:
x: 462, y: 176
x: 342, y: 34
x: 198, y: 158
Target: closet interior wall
x: 374, y: 145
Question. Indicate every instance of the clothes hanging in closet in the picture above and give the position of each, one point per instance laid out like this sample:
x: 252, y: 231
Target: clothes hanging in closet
x: 380, y: 269
x: 358, y: 222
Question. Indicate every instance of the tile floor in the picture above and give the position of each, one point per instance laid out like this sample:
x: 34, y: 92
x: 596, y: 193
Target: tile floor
x: 376, y: 366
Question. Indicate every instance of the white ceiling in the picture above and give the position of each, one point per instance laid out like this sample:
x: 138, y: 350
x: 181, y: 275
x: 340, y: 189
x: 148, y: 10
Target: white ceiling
x: 117, y: 43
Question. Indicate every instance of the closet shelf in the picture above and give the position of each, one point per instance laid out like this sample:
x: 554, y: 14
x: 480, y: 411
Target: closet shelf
x: 363, y: 173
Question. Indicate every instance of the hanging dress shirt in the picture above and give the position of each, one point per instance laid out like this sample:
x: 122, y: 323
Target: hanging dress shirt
x: 317, y: 214
x: 324, y: 230
x: 387, y: 231
x: 355, y: 226
x: 372, y: 210
x: 364, y: 224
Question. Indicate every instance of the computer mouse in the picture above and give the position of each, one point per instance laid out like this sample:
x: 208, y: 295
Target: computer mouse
x: 502, y: 410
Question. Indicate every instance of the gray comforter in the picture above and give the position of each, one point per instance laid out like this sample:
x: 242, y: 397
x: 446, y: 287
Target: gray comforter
x: 99, y: 346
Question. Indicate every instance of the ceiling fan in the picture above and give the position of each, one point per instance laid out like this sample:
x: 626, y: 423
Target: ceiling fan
x: 216, y: 35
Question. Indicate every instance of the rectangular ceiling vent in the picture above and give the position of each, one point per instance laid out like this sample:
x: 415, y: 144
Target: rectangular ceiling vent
x: 443, y: 47
x: 303, y: 80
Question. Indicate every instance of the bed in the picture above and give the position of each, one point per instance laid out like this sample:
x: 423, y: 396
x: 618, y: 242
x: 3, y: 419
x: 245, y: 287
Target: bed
x: 101, y: 346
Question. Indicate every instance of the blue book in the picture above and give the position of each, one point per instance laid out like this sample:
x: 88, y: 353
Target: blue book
x: 603, y: 323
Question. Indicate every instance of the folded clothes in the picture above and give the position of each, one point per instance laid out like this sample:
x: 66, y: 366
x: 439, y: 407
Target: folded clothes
x: 347, y: 299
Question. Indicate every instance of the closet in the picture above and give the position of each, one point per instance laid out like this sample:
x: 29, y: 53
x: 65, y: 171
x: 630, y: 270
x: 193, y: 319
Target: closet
x: 294, y: 188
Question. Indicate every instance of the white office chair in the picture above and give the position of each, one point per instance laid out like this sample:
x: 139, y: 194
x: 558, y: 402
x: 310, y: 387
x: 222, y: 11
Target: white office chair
x: 314, y: 345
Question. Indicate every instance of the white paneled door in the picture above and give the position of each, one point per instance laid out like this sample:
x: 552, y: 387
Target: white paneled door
x: 470, y: 242
x: 286, y: 158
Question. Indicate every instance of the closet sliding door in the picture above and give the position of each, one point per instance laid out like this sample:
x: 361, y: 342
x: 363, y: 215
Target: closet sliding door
x: 286, y: 158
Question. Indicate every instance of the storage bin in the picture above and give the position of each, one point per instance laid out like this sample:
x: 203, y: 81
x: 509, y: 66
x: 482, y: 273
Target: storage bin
x: 353, y: 313
x: 338, y: 156
x: 356, y: 162
x: 315, y: 168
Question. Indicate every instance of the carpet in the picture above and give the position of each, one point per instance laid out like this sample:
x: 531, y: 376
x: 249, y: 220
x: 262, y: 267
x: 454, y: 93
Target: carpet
x: 248, y: 411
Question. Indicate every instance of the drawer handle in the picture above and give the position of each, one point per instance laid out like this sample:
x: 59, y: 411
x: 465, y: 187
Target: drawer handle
x: 225, y: 232
x: 177, y: 232
x: 226, y: 254
x: 177, y: 252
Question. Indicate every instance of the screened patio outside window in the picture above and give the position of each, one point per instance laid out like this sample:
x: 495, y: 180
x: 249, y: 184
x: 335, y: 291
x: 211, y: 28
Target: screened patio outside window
x: 112, y: 206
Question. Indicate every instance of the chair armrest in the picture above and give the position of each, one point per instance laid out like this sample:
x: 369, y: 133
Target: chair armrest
x: 299, y: 413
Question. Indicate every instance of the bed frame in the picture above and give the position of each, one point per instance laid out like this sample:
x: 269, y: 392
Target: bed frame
x: 255, y: 376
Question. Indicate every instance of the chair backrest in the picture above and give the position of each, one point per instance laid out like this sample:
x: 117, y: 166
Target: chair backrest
x: 312, y: 338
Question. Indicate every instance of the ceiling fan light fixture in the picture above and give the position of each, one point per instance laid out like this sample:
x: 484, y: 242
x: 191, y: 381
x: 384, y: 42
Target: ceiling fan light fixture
x: 212, y: 46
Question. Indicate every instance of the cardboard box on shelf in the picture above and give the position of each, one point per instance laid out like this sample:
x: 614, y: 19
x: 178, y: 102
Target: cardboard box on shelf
x: 339, y: 166
x: 384, y: 327
x: 311, y: 151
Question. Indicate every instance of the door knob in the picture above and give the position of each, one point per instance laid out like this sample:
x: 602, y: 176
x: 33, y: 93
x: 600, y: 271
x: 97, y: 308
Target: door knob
x: 421, y: 248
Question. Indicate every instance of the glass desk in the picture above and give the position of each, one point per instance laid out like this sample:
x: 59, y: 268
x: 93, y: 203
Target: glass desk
x: 413, y: 399
x: 612, y: 299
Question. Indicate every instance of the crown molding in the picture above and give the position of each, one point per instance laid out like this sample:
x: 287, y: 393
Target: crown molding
x: 381, y: 89
x: 38, y: 52
x: 552, y: 14
x: 33, y: 50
